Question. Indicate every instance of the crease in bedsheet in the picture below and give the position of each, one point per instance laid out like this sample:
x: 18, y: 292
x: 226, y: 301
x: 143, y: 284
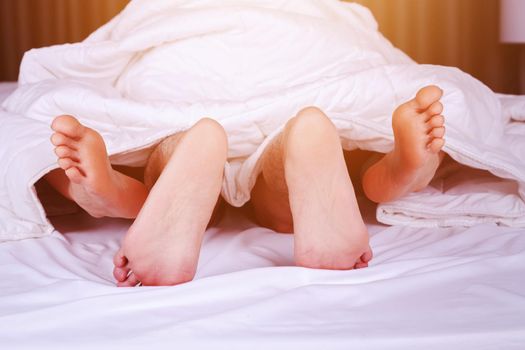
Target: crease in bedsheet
x: 471, y: 289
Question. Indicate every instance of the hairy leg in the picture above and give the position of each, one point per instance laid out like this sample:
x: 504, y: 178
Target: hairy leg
x: 270, y: 196
x: 86, y: 176
x: 418, y: 132
x: 305, y: 186
x: 185, y: 174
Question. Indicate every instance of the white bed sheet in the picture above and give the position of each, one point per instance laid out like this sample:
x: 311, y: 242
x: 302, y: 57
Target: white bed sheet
x: 454, y: 288
x: 426, y: 288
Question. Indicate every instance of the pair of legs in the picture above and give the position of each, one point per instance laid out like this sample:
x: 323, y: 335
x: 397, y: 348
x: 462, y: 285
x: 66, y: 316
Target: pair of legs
x: 305, y: 185
x: 172, y: 208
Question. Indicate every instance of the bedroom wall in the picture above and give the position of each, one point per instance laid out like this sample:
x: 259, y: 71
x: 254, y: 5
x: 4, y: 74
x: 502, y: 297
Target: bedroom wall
x: 25, y: 24
x: 462, y: 33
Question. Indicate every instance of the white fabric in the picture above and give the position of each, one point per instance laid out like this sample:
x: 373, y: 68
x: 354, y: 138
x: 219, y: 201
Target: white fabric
x: 161, y: 65
x: 444, y: 203
x: 452, y: 289
x: 6, y: 89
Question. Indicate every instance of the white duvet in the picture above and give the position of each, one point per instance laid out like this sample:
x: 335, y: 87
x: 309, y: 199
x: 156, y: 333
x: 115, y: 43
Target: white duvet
x: 161, y: 65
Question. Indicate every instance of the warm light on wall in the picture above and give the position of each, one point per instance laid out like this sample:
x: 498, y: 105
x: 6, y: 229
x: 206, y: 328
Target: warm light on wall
x: 513, y: 30
x: 460, y: 33
x: 513, y: 21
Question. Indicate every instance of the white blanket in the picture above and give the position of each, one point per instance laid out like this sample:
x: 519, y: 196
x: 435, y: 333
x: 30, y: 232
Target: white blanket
x: 161, y: 65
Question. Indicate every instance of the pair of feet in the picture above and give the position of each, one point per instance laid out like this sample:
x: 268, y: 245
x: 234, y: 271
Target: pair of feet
x: 171, y: 211
x: 305, y: 187
x: 163, y: 244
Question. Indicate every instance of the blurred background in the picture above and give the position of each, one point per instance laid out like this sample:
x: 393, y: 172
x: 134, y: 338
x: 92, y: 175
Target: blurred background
x: 461, y: 33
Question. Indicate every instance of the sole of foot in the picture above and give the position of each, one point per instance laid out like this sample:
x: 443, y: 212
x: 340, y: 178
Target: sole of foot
x: 419, y: 130
x: 329, y: 230
x: 163, y: 244
x: 91, y: 181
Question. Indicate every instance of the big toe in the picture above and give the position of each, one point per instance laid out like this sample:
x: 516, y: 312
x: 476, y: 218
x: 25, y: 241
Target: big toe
x: 427, y: 96
x: 121, y: 270
x: 68, y: 126
x: 119, y: 259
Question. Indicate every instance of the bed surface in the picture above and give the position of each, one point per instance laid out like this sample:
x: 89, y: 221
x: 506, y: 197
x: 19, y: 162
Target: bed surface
x: 455, y: 288
x: 426, y: 288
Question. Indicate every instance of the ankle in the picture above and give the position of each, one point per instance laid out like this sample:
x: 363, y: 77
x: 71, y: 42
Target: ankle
x: 386, y: 180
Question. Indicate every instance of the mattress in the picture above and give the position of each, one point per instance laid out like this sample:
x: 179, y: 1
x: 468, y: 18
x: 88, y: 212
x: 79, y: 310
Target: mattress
x: 431, y: 288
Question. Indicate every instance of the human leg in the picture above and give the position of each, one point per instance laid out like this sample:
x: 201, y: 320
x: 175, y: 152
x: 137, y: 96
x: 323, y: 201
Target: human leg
x: 418, y: 132
x: 305, y: 185
x: 86, y: 176
x: 185, y: 174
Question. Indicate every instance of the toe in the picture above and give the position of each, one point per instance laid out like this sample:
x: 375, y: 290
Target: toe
x: 435, y: 108
x: 436, y: 145
x: 428, y: 95
x: 360, y: 265
x: 437, y: 132
x: 131, y: 281
x: 69, y: 126
x: 66, y: 163
x: 436, y: 121
x: 66, y: 152
x: 367, y: 256
x: 120, y: 259
x: 59, y: 139
x: 74, y: 175
x: 120, y: 273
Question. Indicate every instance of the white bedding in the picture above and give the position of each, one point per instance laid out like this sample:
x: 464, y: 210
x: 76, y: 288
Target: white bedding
x: 161, y: 65
x: 426, y: 288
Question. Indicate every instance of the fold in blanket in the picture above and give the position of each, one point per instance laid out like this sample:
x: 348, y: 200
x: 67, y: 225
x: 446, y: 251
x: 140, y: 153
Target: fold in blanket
x: 161, y: 65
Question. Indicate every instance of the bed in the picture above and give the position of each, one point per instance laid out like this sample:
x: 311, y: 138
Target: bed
x: 432, y: 288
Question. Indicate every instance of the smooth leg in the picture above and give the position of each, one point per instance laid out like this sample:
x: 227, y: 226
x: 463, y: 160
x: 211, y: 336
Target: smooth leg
x: 185, y: 174
x: 418, y: 132
x: 86, y: 176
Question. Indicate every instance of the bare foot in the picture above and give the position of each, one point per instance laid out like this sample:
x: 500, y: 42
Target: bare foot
x: 163, y: 244
x: 329, y: 230
x: 418, y: 132
x: 86, y: 176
